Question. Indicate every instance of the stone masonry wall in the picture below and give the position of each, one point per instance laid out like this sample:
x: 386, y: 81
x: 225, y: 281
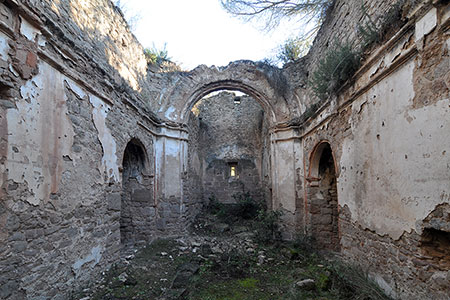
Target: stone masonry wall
x: 75, y: 90
x: 61, y: 209
x: 387, y: 132
x: 340, y: 26
x: 138, y: 214
x: 93, y: 39
x: 73, y: 83
x: 230, y: 135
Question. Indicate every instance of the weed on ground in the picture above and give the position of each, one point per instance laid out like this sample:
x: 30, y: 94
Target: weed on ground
x: 221, y: 260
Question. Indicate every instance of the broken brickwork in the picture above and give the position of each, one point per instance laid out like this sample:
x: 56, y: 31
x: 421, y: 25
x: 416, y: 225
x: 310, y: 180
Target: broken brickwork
x: 98, y: 151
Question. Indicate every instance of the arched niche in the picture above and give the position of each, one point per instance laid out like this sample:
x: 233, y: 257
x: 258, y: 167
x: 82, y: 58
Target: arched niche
x: 137, y: 194
x: 323, y: 198
x: 134, y: 160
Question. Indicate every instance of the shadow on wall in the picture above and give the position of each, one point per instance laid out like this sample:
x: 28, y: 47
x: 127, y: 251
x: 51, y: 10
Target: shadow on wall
x: 231, y: 145
x: 97, y: 32
x: 323, y: 199
x: 435, y: 239
x: 138, y: 205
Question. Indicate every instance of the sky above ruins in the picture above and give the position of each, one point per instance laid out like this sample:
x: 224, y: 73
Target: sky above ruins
x: 201, y: 32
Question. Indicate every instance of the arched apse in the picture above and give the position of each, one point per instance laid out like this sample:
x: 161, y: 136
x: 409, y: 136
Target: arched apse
x: 229, y: 146
x: 323, y: 198
x: 137, y: 194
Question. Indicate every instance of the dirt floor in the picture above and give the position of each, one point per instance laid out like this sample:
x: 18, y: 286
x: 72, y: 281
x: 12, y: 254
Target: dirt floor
x: 226, y: 257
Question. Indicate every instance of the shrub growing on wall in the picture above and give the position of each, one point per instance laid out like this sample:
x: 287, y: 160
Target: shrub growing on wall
x: 156, y: 56
x: 343, y: 60
x: 293, y: 49
x: 338, y: 65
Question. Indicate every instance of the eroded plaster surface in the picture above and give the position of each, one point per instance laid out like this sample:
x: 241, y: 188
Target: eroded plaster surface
x: 170, y: 161
x: 28, y: 30
x: 93, y: 259
x: 4, y: 47
x: 110, y: 163
x: 394, y: 152
x: 172, y: 167
x: 40, y: 134
x: 392, y: 156
x: 170, y: 113
x: 75, y: 88
x: 426, y: 24
x: 284, y: 174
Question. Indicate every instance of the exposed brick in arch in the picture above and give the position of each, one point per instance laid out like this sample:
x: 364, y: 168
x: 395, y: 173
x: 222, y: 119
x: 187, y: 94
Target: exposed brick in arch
x: 322, y: 198
x: 232, y: 86
x: 266, y: 84
x: 137, y: 194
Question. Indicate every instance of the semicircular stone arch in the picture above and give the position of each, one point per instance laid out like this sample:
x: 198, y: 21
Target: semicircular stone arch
x: 266, y: 84
x: 228, y: 85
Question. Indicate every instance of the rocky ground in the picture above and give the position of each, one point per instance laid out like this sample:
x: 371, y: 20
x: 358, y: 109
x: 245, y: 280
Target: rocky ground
x: 225, y: 258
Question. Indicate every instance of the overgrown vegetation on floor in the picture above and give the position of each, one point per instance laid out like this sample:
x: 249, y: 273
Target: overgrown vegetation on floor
x: 233, y: 253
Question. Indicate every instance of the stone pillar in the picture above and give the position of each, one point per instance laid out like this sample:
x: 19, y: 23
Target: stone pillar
x: 170, y: 163
x: 287, y: 178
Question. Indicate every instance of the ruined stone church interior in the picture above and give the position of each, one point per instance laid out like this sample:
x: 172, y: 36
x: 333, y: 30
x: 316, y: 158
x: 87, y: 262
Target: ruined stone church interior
x: 100, y: 152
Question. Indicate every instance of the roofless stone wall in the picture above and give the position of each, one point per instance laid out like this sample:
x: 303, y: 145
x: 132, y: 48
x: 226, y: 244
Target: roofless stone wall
x: 74, y: 93
x: 86, y: 127
x: 387, y: 131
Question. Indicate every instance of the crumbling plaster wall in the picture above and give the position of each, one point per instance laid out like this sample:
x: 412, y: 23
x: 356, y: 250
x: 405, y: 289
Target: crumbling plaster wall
x: 95, y: 41
x: 193, y: 175
x: 290, y: 156
x: 75, y: 90
x: 73, y: 83
x: 388, y: 132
